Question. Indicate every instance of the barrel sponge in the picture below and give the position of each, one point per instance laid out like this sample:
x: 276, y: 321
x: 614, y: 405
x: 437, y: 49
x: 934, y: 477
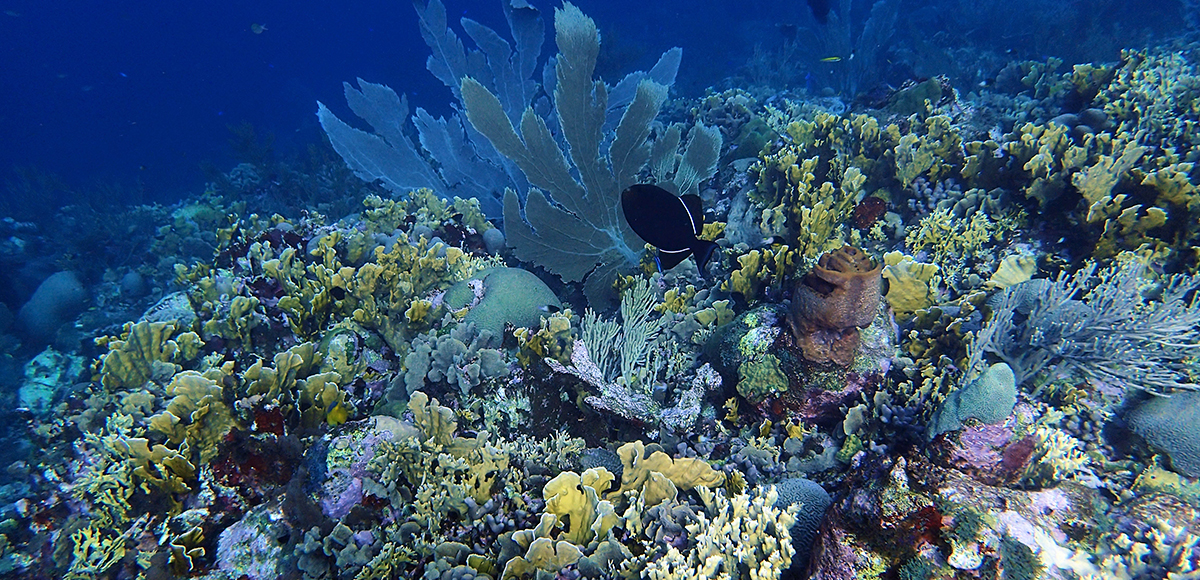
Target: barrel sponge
x: 1171, y: 424
x: 990, y: 398
x: 813, y: 500
x: 57, y: 300
x: 497, y: 296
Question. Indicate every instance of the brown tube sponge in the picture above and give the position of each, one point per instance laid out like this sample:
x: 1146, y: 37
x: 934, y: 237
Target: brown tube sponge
x: 840, y: 295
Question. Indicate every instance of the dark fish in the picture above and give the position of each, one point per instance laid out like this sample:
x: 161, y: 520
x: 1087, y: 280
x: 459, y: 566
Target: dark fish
x: 667, y: 222
x: 820, y: 9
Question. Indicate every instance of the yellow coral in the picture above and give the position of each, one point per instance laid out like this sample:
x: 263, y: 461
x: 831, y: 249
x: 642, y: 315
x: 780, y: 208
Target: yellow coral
x: 165, y: 468
x: 196, y: 413
x: 553, y: 340
x: 271, y: 383
x: 909, y: 287
x: 1013, y: 269
x: 1096, y: 181
x: 322, y: 400
x: 575, y: 500
x: 145, y: 350
x: 792, y: 204
x: 685, y: 472
x: 767, y: 267
x: 930, y: 153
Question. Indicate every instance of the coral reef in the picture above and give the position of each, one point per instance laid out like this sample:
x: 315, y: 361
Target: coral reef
x: 951, y: 331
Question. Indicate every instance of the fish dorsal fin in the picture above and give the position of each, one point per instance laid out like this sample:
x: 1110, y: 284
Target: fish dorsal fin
x: 691, y: 202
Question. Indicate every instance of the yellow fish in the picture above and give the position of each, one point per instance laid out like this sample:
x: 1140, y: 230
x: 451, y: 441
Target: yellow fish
x: 831, y: 59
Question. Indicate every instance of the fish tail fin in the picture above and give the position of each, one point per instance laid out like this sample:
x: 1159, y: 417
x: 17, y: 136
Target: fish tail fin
x: 703, y: 250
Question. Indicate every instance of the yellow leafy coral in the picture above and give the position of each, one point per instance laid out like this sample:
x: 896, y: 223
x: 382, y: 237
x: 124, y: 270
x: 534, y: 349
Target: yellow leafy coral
x: 766, y: 267
x: 143, y: 351
x: 685, y: 472
x: 197, y: 412
x: 930, y: 152
x: 809, y: 216
x: 909, y: 283
x: 575, y: 500
x: 1095, y: 182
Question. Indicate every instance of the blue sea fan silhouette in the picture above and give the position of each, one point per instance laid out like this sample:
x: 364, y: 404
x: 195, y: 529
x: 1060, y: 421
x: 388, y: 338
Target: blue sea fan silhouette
x: 579, y: 231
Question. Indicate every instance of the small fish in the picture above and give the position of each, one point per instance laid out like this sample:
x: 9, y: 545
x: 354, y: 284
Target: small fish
x: 831, y: 59
x: 820, y: 9
x: 257, y: 28
x: 668, y: 222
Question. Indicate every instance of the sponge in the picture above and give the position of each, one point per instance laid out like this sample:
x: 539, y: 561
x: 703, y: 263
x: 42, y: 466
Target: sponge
x: 57, y: 300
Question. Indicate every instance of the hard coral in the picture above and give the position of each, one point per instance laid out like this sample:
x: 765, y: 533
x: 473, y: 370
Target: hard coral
x: 841, y: 294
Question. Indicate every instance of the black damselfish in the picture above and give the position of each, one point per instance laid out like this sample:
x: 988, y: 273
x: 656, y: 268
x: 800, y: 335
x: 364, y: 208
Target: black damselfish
x: 668, y: 222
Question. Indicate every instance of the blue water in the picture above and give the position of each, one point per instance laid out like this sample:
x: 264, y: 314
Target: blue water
x: 142, y: 93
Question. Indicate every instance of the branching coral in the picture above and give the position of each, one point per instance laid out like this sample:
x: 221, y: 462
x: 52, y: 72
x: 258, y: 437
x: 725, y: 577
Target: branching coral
x: 457, y: 357
x: 807, y: 215
x: 1162, y: 550
x: 931, y: 153
x: 631, y: 362
x: 743, y: 536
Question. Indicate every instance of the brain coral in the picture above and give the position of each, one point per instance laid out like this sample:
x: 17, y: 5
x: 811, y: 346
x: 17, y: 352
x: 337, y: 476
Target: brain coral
x: 1171, y: 424
x: 499, y: 295
x: 989, y: 398
x: 813, y: 500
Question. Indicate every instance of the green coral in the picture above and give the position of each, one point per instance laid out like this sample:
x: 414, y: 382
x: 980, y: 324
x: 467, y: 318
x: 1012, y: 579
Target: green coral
x: 496, y: 297
x: 761, y: 378
x: 1018, y: 560
x: 1171, y: 424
